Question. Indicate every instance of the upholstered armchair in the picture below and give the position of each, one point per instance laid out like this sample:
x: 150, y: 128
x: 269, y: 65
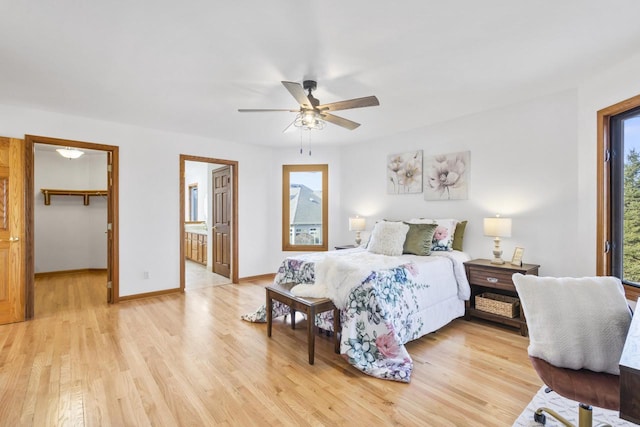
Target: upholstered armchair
x: 577, y: 329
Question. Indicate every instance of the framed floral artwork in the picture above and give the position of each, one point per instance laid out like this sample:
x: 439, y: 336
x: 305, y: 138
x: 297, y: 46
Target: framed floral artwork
x: 404, y: 173
x: 447, y: 176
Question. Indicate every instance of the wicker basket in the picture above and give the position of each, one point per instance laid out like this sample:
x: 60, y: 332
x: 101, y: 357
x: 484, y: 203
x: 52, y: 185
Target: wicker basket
x: 502, y: 305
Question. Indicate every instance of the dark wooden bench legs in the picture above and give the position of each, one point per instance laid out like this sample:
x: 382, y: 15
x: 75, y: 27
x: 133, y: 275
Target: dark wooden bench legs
x: 309, y: 306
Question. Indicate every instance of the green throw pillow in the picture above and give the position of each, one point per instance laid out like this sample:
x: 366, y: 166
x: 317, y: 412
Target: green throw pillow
x: 458, y: 235
x: 418, y: 240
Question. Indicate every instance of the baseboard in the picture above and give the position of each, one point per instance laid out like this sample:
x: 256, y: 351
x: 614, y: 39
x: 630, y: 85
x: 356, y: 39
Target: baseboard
x: 268, y: 276
x: 67, y: 272
x: 150, y: 294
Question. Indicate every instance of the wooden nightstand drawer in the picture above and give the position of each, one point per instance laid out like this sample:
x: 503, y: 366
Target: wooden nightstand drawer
x: 491, y: 278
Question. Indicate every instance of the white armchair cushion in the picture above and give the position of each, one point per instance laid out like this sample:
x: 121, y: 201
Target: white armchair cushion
x: 575, y: 323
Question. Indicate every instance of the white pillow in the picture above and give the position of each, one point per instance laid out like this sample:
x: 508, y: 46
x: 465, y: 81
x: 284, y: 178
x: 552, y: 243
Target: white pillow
x: 575, y: 322
x: 443, y: 236
x: 387, y: 238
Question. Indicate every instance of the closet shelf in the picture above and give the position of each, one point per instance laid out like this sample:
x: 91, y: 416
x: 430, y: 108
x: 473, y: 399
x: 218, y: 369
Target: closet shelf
x: 86, y: 194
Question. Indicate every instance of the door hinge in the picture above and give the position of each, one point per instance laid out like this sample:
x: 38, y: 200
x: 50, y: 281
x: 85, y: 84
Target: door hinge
x: 607, y: 247
x: 109, y: 285
x: 109, y: 168
x: 607, y: 155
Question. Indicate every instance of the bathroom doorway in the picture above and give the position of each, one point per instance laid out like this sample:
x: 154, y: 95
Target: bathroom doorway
x: 208, y: 222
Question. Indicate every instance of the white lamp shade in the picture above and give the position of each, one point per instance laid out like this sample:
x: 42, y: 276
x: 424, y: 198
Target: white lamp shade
x: 357, y: 224
x: 497, y: 227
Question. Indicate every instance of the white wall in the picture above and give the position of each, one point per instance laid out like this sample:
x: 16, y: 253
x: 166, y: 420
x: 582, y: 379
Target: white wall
x: 68, y: 234
x: 149, y: 192
x: 601, y: 90
x: 523, y: 165
x: 534, y: 161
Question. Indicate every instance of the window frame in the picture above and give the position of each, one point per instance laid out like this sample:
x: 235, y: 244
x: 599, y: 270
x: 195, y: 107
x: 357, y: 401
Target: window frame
x: 193, y: 210
x: 286, y: 220
x: 605, y: 196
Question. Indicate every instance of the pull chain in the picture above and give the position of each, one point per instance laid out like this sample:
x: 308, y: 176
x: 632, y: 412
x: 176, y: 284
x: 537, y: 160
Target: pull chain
x: 308, y: 141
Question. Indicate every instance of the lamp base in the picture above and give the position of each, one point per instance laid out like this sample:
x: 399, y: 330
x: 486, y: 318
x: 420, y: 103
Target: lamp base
x: 497, y: 252
x: 358, y: 239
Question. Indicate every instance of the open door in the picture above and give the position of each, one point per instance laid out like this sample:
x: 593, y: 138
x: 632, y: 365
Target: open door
x: 221, y: 251
x: 112, y: 226
x: 12, y: 231
x: 225, y: 235
x: 112, y: 266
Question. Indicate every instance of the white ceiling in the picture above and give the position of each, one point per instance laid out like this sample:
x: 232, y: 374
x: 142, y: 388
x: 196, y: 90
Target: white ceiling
x: 187, y: 66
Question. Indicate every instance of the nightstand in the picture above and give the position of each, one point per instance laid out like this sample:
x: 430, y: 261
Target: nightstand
x: 495, y: 278
x: 344, y: 247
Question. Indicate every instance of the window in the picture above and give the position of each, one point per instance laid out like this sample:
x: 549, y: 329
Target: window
x: 625, y: 196
x: 618, y: 232
x: 304, y: 207
x: 193, y: 202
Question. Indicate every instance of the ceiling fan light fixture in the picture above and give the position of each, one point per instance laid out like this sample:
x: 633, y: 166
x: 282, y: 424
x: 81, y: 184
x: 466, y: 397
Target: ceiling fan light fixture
x: 312, y: 114
x: 309, y: 120
x: 69, y: 153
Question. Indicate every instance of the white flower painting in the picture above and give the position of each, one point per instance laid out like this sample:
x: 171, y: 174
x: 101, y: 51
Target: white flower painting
x: 404, y: 173
x: 447, y: 176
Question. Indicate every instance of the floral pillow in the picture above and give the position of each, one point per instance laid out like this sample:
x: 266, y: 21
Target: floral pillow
x: 443, y: 235
x: 387, y: 238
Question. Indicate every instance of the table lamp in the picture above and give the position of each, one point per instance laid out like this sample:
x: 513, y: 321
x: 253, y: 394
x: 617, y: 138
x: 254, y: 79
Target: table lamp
x: 497, y: 227
x: 357, y: 224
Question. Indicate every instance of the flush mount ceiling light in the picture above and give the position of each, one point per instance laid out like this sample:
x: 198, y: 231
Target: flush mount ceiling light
x: 69, y: 153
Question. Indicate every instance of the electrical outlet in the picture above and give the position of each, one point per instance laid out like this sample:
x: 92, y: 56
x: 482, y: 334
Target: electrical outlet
x: 146, y: 274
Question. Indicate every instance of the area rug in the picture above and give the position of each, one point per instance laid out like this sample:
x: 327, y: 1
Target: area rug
x: 568, y: 409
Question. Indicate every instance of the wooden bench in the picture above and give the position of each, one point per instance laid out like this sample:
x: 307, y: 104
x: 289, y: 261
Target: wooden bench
x: 309, y: 306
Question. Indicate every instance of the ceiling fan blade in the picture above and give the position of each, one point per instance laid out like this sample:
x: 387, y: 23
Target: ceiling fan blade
x: 289, y: 127
x: 340, y: 121
x: 259, y: 110
x: 296, y: 90
x: 367, y: 101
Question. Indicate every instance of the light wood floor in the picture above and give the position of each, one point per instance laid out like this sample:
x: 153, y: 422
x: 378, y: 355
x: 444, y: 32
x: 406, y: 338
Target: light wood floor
x: 197, y: 276
x: 188, y: 360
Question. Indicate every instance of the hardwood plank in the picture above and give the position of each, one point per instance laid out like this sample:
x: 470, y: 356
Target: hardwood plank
x: 188, y: 359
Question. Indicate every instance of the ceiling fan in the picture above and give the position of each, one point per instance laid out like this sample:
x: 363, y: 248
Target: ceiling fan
x: 312, y: 115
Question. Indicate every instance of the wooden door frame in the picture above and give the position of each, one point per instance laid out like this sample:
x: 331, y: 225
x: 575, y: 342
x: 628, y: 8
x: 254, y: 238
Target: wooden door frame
x: 234, y: 217
x: 30, y: 140
x: 603, y: 196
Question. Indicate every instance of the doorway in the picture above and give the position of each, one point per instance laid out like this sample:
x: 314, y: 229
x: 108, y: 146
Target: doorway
x: 208, y: 221
x: 110, y: 193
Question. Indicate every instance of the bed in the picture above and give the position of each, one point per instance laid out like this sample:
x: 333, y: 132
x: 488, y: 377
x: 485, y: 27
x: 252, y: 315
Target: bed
x: 385, y: 300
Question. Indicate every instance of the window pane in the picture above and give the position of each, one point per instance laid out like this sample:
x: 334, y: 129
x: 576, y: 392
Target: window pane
x: 631, y: 200
x: 193, y: 205
x: 305, y: 208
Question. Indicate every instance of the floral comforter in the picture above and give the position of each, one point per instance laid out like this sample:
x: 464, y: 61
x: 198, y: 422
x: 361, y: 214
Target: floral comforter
x: 390, y: 307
